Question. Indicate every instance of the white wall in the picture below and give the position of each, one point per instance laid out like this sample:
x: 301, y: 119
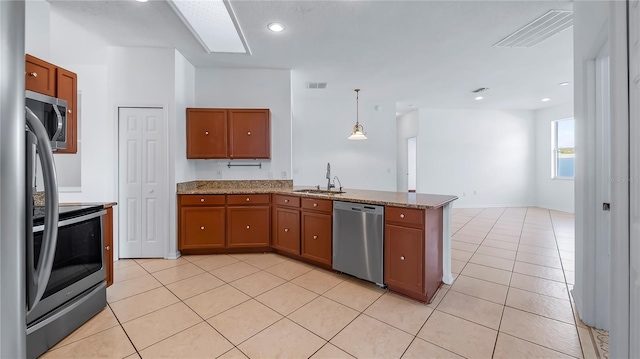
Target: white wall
x: 185, y: 86
x: 485, y: 157
x: 248, y: 88
x: 320, y: 131
x: 406, y: 127
x: 551, y: 193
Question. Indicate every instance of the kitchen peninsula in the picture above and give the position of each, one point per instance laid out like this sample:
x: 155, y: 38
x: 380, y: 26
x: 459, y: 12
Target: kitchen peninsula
x: 273, y: 215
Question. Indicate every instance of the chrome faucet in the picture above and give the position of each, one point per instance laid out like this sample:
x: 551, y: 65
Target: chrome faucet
x: 329, y: 184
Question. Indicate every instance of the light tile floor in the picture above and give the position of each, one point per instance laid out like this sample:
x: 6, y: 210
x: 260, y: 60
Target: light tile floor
x: 511, y: 299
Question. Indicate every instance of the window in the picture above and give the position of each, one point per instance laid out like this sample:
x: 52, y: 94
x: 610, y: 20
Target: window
x: 564, y: 155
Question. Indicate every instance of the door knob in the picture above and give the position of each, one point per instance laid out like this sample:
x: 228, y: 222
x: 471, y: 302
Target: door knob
x: 286, y: 229
x: 202, y: 228
x: 401, y: 258
x: 33, y: 74
x: 69, y: 111
x: 315, y: 205
x: 286, y: 201
x: 206, y: 132
x: 401, y: 215
x: 247, y: 199
x: 247, y: 227
x: 150, y: 191
x: 315, y: 237
x: 249, y: 133
x: 201, y: 199
x: 107, y: 248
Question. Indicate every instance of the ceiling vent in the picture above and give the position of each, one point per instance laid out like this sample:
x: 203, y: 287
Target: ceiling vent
x: 539, y: 29
x: 317, y: 85
x: 481, y: 89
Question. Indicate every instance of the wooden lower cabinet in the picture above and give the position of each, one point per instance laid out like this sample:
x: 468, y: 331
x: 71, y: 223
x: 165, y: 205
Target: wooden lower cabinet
x: 286, y: 231
x: 107, y: 230
x: 404, y: 258
x: 248, y: 226
x: 202, y: 227
x: 413, y: 251
x: 317, y: 237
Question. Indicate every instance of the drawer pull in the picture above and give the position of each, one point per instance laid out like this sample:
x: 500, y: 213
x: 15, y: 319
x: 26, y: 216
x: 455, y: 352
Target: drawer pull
x: 247, y: 199
x: 315, y: 205
x: 401, y: 215
x: 401, y: 258
x: 286, y: 201
x: 247, y: 227
x: 315, y: 237
x: 107, y: 248
x: 202, y: 228
x: 33, y: 74
x: 249, y: 133
x: 206, y: 133
x: 286, y: 229
x: 201, y: 199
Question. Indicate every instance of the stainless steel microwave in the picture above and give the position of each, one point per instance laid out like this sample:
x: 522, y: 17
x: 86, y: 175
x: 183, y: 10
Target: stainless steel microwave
x: 52, y: 112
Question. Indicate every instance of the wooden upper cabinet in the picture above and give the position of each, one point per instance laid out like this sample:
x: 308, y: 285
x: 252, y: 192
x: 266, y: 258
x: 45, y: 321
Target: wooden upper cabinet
x: 67, y: 89
x: 249, y: 133
x: 40, y: 76
x: 207, y: 133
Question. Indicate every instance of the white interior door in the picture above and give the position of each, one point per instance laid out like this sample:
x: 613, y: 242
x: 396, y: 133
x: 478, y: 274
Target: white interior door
x: 603, y: 189
x: 142, y: 163
x: 412, y: 163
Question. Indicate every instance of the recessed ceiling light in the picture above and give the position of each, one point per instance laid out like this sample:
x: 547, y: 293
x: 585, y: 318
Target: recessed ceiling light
x: 545, y: 99
x: 276, y: 27
x: 564, y: 84
x: 478, y: 98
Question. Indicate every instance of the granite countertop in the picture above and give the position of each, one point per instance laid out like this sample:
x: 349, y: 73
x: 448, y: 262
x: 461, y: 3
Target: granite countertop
x: 400, y: 199
x: 38, y: 200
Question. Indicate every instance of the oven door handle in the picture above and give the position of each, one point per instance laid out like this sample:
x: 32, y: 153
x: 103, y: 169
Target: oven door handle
x: 38, y: 277
x: 74, y: 220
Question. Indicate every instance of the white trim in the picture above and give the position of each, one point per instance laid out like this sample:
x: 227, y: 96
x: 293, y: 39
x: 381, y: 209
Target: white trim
x: 447, y: 278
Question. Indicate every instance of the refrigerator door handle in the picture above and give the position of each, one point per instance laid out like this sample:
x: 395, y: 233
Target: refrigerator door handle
x: 40, y: 275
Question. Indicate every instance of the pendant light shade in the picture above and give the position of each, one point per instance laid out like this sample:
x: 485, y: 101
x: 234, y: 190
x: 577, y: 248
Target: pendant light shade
x: 358, y: 131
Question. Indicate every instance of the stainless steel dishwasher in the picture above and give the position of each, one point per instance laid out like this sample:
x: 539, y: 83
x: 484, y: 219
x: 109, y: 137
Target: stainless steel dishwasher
x: 358, y: 246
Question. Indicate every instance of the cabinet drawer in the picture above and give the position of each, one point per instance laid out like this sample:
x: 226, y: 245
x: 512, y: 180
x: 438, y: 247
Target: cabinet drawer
x: 321, y: 205
x: 404, y: 216
x: 240, y: 199
x: 289, y: 201
x: 204, y: 200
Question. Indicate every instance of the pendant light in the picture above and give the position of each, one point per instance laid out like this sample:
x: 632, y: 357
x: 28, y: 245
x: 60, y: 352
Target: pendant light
x: 358, y: 131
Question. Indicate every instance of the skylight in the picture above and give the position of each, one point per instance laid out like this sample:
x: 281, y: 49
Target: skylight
x: 213, y: 24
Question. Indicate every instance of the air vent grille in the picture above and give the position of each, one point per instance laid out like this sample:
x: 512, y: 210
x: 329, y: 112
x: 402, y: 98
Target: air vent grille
x: 540, y: 29
x: 481, y: 89
x: 317, y: 85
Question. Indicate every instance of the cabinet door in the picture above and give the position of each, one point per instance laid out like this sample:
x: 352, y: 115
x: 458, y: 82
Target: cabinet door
x: 67, y: 89
x: 404, y: 258
x: 107, y: 231
x: 286, y: 235
x: 248, y: 226
x: 40, y: 76
x: 249, y: 134
x: 316, y: 237
x: 206, y: 133
x: 202, y: 227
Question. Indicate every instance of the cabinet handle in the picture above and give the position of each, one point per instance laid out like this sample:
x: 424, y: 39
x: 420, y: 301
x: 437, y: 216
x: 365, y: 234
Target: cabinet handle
x: 249, y: 133
x: 401, y: 258
x: 247, y: 199
x: 33, y: 74
x: 315, y: 205
x: 286, y: 229
x: 107, y: 248
x: 206, y: 133
x: 247, y: 227
x: 401, y: 215
x: 69, y: 111
x: 201, y: 199
x: 202, y: 228
x: 315, y: 237
x: 286, y: 201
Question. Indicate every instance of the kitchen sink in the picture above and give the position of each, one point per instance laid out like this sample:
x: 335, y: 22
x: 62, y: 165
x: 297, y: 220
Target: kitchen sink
x: 318, y: 191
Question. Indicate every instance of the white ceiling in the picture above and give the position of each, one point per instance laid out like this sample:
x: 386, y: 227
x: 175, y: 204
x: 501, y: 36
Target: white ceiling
x: 425, y: 53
